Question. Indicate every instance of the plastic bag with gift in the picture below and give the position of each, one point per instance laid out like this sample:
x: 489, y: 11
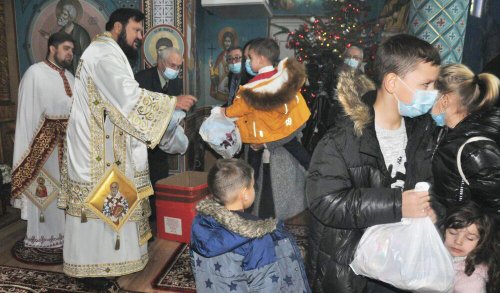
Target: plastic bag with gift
x: 221, y: 133
x: 175, y: 141
x: 409, y: 255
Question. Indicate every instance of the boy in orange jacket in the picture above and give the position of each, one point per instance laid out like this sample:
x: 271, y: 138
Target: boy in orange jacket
x: 270, y: 108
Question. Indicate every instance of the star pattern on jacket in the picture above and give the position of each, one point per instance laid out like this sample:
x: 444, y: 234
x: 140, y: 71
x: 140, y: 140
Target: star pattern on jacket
x: 208, y: 283
x: 288, y: 280
x: 198, y: 262
x: 274, y: 278
x: 217, y: 266
x: 232, y: 286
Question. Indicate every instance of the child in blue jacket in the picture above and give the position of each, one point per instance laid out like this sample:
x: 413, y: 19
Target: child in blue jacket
x: 235, y: 251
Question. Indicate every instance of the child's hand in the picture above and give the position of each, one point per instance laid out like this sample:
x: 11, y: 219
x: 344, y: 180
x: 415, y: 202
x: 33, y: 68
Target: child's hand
x: 415, y: 204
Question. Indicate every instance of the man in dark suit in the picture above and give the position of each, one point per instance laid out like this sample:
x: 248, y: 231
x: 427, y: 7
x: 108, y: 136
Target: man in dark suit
x: 161, y: 78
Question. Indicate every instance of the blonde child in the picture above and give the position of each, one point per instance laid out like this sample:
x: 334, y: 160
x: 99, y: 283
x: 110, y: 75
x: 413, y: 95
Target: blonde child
x: 470, y: 238
x: 235, y: 251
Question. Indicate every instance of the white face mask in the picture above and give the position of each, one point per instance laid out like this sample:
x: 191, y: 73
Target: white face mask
x: 353, y: 63
x: 170, y: 73
x: 422, y: 102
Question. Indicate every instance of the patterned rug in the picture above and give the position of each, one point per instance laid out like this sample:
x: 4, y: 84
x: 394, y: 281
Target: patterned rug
x: 177, y: 274
x: 28, y: 280
x: 39, y: 256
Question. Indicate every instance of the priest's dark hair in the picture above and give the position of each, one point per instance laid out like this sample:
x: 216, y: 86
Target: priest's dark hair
x: 58, y: 38
x: 123, y: 15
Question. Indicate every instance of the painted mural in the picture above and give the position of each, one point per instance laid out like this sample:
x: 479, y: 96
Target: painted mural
x: 227, y: 38
x: 158, y: 38
x: 214, y: 35
x: 83, y: 19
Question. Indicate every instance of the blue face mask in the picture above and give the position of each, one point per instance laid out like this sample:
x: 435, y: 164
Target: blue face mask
x: 353, y: 63
x: 439, y: 119
x: 169, y: 73
x: 422, y: 102
x: 235, y: 68
x: 248, y: 67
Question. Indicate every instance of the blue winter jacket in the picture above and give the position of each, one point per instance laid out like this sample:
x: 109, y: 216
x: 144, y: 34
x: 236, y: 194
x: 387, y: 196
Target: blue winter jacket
x: 237, y: 252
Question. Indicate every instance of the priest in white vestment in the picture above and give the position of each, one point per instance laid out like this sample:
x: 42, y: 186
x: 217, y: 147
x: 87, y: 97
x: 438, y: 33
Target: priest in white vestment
x: 112, y: 123
x: 44, y: 103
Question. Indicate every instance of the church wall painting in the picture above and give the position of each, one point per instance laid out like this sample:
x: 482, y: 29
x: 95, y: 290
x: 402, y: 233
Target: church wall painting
x: 83, y: 19
x: 159, y: 38
x: 210, y: 35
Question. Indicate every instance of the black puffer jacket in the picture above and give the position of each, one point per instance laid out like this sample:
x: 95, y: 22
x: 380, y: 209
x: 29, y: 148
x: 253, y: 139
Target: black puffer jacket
x: 348, y: 187
x: 480, y: 162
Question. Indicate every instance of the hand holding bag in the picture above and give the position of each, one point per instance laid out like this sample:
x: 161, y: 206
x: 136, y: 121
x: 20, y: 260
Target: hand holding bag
x: 175, y: 141
x: 409, y: 255
x: 221, y: 133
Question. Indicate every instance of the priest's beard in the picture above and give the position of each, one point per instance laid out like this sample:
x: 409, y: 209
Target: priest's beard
x: 131, y: 52
x: 63, y: 63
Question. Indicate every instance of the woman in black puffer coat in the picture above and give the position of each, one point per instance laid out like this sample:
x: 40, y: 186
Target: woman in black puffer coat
x: 466, y: 110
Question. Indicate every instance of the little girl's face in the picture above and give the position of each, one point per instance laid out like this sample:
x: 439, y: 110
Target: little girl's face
x: 460, y: 242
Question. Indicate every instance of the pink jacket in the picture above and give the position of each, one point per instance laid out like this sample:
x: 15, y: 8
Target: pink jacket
x: 467, y: 284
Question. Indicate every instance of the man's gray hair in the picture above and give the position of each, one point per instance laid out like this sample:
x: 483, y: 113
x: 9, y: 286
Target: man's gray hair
x: 352, y: 48
x: 71, y: 10
x: 165, y: 53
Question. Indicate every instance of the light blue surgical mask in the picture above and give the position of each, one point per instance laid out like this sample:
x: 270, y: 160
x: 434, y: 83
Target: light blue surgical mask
x: 439, y: 119
x: 422, y: 102
x: 351, y: 62
x: 235, y: 67
x: 248, y: 67
x: 170, y: 73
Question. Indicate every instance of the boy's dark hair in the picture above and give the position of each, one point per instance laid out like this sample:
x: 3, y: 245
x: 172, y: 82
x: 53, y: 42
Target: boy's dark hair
x: 400, y: 54
x: 486, y: 251
x: 58, y: 38
x: 266, y: 47
x: 123, y: 15
x: 227, y: 177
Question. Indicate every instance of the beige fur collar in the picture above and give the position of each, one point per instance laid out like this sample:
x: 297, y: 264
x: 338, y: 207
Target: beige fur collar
x: 350, y: 89
x: 281, y: 88
x: 235, y: 223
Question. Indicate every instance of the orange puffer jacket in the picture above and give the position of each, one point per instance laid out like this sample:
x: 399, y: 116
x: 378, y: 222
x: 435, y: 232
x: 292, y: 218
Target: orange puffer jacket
x: 271, y: 108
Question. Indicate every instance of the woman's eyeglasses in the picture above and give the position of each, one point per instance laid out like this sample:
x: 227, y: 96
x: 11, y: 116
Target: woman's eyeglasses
x: 233, y: 59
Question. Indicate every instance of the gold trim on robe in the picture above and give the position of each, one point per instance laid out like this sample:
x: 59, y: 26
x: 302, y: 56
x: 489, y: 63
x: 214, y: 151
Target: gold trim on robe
x: 114, y: 199
x: 49, y: 135
x: 106, y: 270
x: 43, y: 190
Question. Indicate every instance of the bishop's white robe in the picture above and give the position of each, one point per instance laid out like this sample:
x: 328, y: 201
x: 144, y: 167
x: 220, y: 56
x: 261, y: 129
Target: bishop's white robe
x: 112, y: 121
x: 42, y: 115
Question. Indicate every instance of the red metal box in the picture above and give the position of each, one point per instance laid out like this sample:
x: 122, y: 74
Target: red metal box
x: 176, y: 199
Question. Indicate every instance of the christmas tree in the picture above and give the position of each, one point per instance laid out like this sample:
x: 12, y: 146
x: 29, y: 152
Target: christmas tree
x: 341, y: 28
x: 319, y: 43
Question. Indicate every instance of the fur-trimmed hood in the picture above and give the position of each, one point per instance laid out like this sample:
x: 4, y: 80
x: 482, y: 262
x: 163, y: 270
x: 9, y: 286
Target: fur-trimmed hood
x: 281, y: 88
x: 235, y: 223
x: 351, y: 87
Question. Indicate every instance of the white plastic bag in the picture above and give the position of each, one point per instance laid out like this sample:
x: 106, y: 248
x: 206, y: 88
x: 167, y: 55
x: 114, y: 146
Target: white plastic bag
x: 175, y: 141
x: 409, y: 255
x: 221, y: 133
